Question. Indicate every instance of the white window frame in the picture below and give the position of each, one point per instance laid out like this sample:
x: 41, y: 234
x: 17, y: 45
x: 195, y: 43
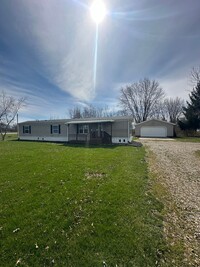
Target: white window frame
x: 26, y: 129
x: 55, y: 129
x: 83, y: 129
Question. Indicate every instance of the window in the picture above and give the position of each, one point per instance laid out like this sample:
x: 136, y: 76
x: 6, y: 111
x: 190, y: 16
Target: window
x: 83, y: 129
x: 27, y: 129
x: 55, y: 129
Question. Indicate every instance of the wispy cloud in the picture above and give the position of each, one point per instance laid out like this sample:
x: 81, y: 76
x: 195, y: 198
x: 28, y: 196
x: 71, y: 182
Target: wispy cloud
x: 64, y: 39
x: 60, y: 42
x: 47, y: 50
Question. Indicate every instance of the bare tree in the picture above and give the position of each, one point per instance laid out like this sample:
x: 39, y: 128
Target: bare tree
x: 83, y: 112
x: 195, y: 75
x: 141, y: 98
x: 9, y: 107
x: 91, y: 111
x: 174, y: 108
x: 5, y: 104
x: 159, y: 112
x: 75, y: 113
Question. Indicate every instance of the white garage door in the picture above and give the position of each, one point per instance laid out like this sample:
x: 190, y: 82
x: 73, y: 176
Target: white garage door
x: 151, y: 131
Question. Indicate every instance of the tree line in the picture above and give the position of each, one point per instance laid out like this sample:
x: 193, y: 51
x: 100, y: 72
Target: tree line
x: 142, y: 100
x: 90, y: 111
x: 146, y: 99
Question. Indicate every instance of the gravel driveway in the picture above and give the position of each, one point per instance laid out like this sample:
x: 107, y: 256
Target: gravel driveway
x: 179, y: 171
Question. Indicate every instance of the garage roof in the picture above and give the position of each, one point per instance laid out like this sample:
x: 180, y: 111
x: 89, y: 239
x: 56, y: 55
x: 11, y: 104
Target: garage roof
x: 143, y: 122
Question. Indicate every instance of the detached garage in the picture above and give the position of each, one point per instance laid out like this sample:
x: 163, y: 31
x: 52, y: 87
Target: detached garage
x: 154, y: 128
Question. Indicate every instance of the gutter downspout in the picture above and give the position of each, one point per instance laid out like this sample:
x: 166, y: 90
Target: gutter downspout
x: 67, y: 132
x: 111, y: 132
x: 128, y: 130
x: 17, y: 127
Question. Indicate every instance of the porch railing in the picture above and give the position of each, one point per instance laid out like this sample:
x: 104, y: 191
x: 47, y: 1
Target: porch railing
x: 94, y: 137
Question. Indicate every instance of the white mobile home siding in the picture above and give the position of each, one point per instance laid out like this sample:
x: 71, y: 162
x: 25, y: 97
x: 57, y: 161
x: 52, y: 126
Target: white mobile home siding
x: 41, y: 131
x: 119, y: 129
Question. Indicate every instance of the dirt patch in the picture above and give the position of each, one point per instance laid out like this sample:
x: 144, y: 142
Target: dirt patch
x: 177, y: 168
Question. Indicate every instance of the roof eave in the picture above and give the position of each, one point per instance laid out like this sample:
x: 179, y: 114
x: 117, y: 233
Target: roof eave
x: 156, y: 120
x: 89, y: 122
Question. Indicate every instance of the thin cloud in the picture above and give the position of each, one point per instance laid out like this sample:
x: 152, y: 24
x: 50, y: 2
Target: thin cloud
x: 47, y: 50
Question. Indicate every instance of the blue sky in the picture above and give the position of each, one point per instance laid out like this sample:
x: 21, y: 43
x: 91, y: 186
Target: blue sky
x: 47, y: 51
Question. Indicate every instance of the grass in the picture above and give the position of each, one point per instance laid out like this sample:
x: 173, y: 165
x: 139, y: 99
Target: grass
x: 188, y: 139
x: 77, y: 206
x: 9, y: 137
x: 197, y: 153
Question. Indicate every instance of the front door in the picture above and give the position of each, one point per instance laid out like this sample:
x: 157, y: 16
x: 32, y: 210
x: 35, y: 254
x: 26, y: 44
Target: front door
x: 96, y: 131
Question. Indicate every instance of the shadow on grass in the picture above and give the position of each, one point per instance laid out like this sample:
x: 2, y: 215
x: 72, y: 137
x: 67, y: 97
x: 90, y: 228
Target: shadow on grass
x: 82, y: 145
x: 108, y: 146
x: 86, y: 145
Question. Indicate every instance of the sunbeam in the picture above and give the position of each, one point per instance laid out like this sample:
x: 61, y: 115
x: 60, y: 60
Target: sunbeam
x: 95, y: 57
x: 98, y: 12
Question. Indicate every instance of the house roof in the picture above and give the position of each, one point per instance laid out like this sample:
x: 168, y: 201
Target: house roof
x: 79, y: 121
x: 87, y: 121
x: 98, y: 120
x: 45, y: 121
x: 143, y: 122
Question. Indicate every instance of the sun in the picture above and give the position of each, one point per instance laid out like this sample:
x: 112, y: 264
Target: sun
x: 98, y: 11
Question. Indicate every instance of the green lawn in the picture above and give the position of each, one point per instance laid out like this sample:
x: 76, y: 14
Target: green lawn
x: 198, y: 153
x: 189, y: 139
x: 10, y: 136
x: 77, y: 206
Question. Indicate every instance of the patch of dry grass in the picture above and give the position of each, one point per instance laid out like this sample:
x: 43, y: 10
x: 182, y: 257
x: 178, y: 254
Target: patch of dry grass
x: 197, y: 153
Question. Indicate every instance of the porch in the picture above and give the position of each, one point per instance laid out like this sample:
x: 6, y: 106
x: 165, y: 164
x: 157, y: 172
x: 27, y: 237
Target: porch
x: 90, y: 132
x: 92, y: 138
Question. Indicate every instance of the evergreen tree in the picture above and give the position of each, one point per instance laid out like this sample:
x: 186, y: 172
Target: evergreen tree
x: 192, y: 111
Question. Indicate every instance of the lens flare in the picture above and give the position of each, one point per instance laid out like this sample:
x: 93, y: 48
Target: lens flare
x: 98, y: 11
